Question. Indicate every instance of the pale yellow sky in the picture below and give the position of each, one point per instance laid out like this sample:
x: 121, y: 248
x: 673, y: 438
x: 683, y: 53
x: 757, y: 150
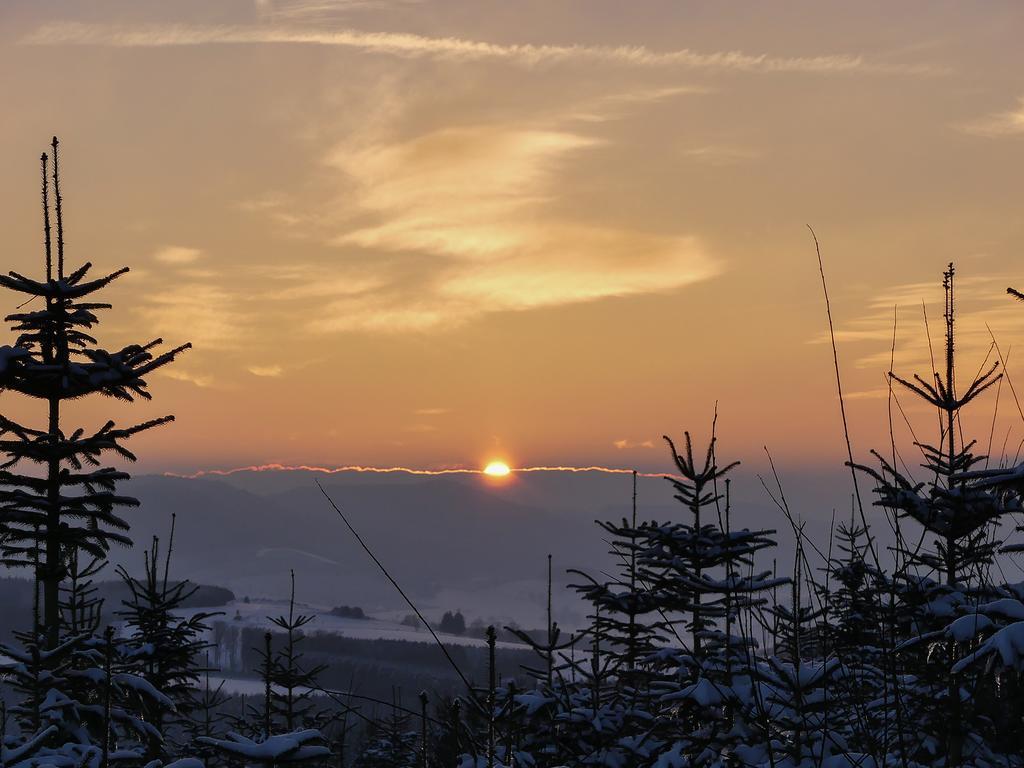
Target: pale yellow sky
x: 426, y: 234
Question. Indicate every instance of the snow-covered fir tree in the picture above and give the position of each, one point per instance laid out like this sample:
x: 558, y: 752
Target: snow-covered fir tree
x: 61, y: 510
x: 391, y: 742
x: 704, y: 577
x: 165, y: 647
x: 72, y: 511
x: 293, y: 682
x: 943, y: 578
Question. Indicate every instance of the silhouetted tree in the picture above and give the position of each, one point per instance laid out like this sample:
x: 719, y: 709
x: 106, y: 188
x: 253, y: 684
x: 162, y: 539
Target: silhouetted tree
x: 705, y: 570
x: 60, y: 509
x: 958, y: 513
x: 72, y: 510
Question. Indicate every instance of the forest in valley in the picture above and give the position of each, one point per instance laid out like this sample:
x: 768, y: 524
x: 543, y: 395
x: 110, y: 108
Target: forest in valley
x: 898, y: 642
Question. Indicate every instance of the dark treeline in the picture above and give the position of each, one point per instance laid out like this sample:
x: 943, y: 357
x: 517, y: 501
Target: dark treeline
x: 16, y: 599
x: 699, y: 651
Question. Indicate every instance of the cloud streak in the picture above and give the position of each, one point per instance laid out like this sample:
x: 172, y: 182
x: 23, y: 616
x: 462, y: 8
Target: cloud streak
x: 205, y: 314
x: 266, y: 371
x: 982, y: 305
x: 454, y: 192
x: 483, y: 203
x: 407, y: 45
x: 1009, y: 123
x: 177, y: 255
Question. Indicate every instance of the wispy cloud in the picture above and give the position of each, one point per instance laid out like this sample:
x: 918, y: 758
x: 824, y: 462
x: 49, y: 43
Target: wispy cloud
x: 624, y: 444
x: 982, y: 305
x: 449, y: 48
x: 572, y: 263
x: 455, y: 191
x: 617, y: 105
x: 177, y: 255
x: 205, y: 314
x: 319, y: 10
x: 482, y: 201
x: 431, y: 411
x: 266, y: 371
x: 386, y: 313
x: 181, y: 374
x: 1010, y: 123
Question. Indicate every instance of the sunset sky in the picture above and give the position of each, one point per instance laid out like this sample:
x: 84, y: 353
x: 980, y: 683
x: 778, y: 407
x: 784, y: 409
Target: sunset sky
x: 429, y: 234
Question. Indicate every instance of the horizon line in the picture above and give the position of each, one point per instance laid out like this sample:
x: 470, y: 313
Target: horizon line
x: 356, y: 468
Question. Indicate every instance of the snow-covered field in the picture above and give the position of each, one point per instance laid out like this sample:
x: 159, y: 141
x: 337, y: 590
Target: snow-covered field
x: 254, y: 615
x: 229, y: 641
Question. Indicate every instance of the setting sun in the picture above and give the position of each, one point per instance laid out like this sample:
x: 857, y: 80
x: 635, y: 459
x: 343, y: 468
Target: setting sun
x: 497, y: 469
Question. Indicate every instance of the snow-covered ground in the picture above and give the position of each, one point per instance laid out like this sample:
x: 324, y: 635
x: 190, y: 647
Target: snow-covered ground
x: 254, y: 615
x: 229, y: 640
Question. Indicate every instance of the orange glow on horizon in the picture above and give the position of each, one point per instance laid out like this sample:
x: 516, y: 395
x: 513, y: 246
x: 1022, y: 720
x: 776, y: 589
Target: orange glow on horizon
x: 400, y: 470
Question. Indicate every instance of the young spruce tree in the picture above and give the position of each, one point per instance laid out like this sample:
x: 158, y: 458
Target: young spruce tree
x: 71, y: 509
